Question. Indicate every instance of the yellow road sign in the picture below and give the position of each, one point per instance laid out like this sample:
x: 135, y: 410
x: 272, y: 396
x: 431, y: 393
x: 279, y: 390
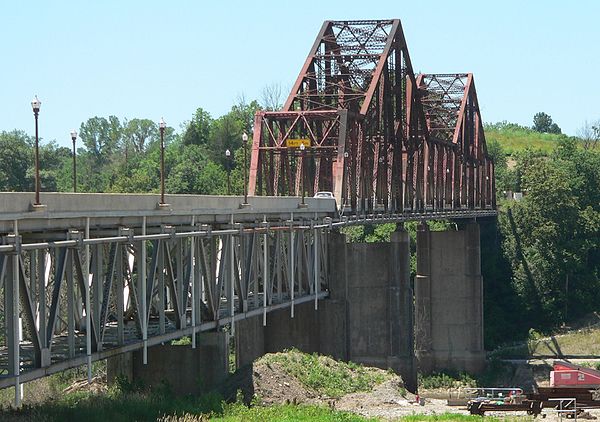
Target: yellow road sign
x: 296, y: 142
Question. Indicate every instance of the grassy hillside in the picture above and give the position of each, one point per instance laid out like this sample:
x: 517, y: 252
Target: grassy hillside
x: 584, y: 342
x: 514, y: 138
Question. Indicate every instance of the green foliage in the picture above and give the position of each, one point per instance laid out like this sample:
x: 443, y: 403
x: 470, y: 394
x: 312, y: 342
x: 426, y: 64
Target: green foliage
x: 15, y: 160
x: 502, y: 304
x: 445, y: 380
x: 552, y: 240
x: 514, y: 138
x: 325, y: 375
x: 369, y: 233
x: 198, y: 129
x: 286, y: 413
x: 183, y: 341
x: 130, y: 403
x: 543, y: 123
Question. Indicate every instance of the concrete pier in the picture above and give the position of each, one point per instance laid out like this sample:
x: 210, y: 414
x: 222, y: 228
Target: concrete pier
x: 182, y: 369
x: 372, y: 281
x: 449, y: 300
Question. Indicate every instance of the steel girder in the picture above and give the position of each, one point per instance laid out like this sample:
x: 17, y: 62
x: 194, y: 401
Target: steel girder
x: 380, y: 137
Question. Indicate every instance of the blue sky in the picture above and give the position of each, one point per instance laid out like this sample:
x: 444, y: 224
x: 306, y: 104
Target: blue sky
x: 149, y: 59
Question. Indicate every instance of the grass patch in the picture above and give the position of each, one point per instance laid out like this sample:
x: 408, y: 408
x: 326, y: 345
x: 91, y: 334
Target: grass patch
x: 515, y: 139
x: 117, y: 406
x: 285, y: 413
x: 325, y: 375
x: 583, y: 342
x: 52, y: 386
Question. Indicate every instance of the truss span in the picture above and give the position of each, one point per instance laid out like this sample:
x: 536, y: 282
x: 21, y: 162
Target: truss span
x: 376, y: 135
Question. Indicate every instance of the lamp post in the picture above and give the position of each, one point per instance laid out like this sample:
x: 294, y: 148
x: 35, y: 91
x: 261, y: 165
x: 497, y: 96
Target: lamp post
x: 303, y: 152
x: 35, y: 105
x: 73, y: 138
x: 228, y: 161
x: 161, y: 126
x: 245, y: 142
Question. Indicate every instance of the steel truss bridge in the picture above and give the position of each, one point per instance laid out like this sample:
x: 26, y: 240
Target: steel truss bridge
x: 377, y: 135
x: 93, y: 275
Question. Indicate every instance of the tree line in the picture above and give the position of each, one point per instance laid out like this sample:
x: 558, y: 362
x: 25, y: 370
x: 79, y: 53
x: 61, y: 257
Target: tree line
x: 124, y: 156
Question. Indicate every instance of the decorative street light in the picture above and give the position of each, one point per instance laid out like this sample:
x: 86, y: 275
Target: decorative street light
x: 245, y: 144
x: 303, y: 152
x: 228, y: 158
x: 161, y: 126
x: 73, y: 137
x: 35, y: 105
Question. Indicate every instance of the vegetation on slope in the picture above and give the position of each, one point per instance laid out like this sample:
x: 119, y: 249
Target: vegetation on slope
x: 325, y: 375
x: 514, y: 138
x: 583, y: 343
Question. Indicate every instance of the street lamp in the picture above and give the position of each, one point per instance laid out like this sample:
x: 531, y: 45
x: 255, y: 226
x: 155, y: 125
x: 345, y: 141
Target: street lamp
x: 245, y: 142
x: 303, y: 152
x: 73, y: 137
x: 35, y: 105
x: 161, y: 126
x: 228, y: 160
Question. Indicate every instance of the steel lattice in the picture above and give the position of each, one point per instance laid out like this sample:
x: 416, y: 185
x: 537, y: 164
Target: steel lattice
x: 380, y: 137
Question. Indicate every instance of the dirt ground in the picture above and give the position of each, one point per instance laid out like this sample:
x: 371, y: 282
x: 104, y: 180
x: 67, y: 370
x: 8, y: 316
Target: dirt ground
x: 388, y: 401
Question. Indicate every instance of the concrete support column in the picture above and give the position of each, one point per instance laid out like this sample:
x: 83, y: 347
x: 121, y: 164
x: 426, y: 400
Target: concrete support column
x: 423, y: 342
x: 371, y: 297
x: 401, y: 309
x: 449, y: 300
x: 249, y: 340
x: 475, y: 281
x: 334, y: 312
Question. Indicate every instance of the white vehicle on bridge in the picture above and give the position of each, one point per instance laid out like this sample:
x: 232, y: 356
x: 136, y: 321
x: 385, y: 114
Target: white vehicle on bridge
x: 324, y: 195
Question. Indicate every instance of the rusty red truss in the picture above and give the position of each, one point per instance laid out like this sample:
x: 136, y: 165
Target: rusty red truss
x: 376, y: 135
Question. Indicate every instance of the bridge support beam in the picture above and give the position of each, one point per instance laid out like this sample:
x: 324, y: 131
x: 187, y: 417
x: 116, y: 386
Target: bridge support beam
x: 449, y: 300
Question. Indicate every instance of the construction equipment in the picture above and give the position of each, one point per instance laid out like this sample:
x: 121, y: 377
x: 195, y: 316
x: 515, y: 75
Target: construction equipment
x: 575, y: 387
x: 566, y: 374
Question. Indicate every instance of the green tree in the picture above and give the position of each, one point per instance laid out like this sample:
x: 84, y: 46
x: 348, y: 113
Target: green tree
x: 138, y: 133
x: 195, y: 173
x: 100, y: 136
x: 552, y: 241
x: 198, y: 130
x: 16, y: 157
x: 543, y: 123
x: 53, y: 159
